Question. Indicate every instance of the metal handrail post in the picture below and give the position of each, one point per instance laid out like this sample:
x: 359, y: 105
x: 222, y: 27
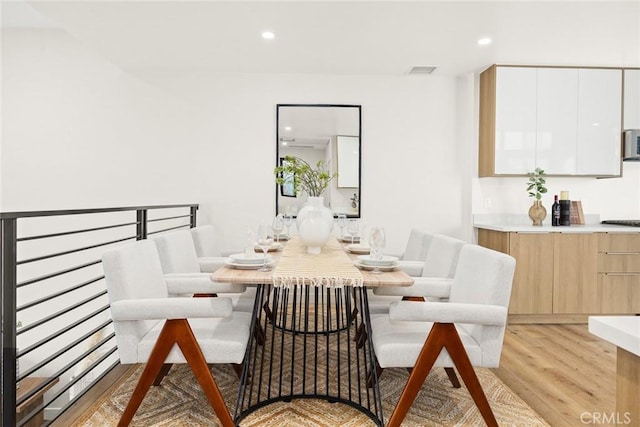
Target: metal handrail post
x: 141, y: 227
x: 8, y: 273
x: 193, y: 210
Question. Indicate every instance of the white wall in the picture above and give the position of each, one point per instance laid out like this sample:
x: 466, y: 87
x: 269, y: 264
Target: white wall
x: 407, y: 124
x: 79, y: 132
x: 612, y: 198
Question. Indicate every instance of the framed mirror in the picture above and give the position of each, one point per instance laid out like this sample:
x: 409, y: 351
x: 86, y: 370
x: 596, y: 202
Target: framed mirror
x: 329, y: 132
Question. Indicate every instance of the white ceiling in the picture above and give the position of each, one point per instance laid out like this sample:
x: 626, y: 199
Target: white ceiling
x: 361, y: 37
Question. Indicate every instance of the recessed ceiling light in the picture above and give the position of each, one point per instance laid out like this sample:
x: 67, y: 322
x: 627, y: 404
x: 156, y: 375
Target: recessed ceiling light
x: 485, y: 41
x: 287, y: 128
x: 285, y: 143
x: 268, y: 35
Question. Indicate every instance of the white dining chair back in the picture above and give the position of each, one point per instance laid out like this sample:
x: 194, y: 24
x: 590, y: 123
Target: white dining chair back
x: 177, y: 252
x: 417, y: 245
x: 133, y: 272
x: 442, y: 255
x: 181, y: 266
x: 206, y: 241
x: 484, y: 277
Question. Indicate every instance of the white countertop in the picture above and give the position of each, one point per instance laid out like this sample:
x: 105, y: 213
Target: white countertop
x: 588, y: 228
x: 522, y: 224
x: 623, y: 331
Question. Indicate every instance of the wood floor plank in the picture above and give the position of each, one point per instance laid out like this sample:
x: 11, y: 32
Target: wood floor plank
x: 561, y: 371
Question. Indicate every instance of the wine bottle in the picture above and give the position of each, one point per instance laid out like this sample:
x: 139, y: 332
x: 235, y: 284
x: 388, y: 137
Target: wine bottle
x: 555, y: 211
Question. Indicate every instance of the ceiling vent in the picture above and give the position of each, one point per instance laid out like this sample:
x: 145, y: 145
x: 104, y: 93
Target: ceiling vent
x: 422, y: 70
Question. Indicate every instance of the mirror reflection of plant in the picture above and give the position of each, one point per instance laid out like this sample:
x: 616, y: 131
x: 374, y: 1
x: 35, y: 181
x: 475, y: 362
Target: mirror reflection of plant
x: 536, y: 184
x: 305, y: 178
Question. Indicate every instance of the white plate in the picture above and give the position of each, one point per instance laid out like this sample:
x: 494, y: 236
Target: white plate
x: 274, y: 247
x: 386, y: 260
x: 282, y: 237
x: 371, y: 267
x: 347, y: 239
x: 358, y: 249
x: 247, y: 266
x: 243, y: 259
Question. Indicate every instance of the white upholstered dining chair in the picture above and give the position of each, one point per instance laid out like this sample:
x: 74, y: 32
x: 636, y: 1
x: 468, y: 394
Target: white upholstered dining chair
x: 434, y: 283
x: 209, y: 254
x: 411, y: 262
x: 412, y: 259
x: 438, y: 270
x: 180, y: 265
x: 152, y: 328
x: 470, y: 328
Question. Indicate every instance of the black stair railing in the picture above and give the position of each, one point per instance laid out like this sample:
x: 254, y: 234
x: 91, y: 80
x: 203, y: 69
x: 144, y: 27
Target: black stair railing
x: 57, y: 334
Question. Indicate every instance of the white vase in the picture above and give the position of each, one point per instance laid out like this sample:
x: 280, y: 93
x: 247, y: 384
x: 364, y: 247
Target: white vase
x: 315, y: 222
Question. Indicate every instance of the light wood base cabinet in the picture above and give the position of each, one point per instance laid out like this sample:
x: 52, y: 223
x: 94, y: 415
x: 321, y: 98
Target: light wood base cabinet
x: 575, y: 273
x: 619, y: 273
x: 570, y: 275
x: 533, y: 279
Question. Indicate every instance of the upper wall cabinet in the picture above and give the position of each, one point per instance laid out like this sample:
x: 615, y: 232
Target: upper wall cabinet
x: 566, y: 121
x: 631, y: 99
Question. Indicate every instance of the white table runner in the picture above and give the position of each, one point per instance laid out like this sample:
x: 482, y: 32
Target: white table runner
x: 331, y: 268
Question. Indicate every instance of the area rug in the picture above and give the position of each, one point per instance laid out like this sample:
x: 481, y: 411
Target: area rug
x: 179, y: 401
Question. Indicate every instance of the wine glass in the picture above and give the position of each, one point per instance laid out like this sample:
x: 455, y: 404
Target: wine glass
x: 352, y: 228
x: 249, y: 251
x: 277, y: 226
x: 377, y: 243
x: 287, y: 219
x: 264, y: 241
x: 342, y: 223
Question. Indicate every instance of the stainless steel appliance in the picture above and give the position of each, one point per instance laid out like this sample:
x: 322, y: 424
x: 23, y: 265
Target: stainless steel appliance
x: 632, y: 144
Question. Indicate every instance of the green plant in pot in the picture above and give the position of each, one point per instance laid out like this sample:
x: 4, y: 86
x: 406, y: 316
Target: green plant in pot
x: 304, y: 177
x: 536, y: 187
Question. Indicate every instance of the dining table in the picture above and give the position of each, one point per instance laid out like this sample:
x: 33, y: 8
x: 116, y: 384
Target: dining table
x: 312, y: 336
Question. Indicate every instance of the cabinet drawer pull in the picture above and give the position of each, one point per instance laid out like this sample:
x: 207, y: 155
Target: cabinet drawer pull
x: 622, y: 274
x: 622, y: 253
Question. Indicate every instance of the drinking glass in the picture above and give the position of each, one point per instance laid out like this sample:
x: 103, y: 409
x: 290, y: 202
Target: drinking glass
x: 342, y: 223
x: 277, y: 226
x: 264, y: 241
x: 377, y: 243
x: 287, y: 219
x: 352, y: 228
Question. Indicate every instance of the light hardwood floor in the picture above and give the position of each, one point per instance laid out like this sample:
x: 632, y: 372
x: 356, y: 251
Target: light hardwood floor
x: 562, y: 371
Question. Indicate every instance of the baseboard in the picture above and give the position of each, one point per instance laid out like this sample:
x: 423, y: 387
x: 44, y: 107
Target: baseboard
x: 524, y: 319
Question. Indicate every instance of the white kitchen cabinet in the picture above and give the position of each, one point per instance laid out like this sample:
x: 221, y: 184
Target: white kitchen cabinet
x: 565, y: 120
x: 631, y: 112
x: 515, y: 120
x: 557, y: 115
x: 599, y: 122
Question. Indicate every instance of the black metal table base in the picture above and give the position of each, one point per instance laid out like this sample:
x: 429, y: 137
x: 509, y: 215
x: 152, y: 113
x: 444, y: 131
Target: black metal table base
x: 310, y: 350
